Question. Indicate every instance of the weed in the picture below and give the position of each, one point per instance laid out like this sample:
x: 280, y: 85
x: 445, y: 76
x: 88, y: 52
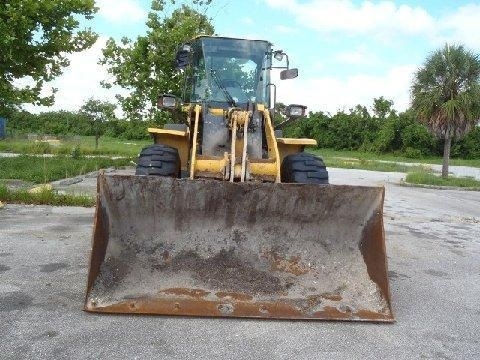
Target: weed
x: 76, y: 152
x: 46, y: 169
x: 330, y: 155
x: 428, y: 178
x: 106, y: 146
x: 44, y: 197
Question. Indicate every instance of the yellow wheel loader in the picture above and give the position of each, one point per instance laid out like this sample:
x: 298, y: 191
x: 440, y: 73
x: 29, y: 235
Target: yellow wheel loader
x: 225, y: 217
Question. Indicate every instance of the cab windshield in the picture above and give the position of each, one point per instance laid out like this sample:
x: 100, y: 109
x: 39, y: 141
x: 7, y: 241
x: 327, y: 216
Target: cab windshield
x: 229, y: 71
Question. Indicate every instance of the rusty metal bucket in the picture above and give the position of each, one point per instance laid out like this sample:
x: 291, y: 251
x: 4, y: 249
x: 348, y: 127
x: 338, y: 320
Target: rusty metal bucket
x: 213, y: 248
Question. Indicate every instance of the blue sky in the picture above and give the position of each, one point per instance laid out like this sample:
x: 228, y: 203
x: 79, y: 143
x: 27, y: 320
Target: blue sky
x: 347, y: 51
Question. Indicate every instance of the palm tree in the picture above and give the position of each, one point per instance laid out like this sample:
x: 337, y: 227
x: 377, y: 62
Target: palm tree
x: 446, y: 95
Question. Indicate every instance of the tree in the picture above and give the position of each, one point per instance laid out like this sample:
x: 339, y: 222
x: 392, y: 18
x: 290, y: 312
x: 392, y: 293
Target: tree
x: 98, y: 112
x: 383, y: 108
x: 280, y: 113
x: 446, y: 95
x: 145, y: 66
x: 35, y: 38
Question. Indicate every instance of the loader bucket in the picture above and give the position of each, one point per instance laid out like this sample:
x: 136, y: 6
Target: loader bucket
x: 213, y: 248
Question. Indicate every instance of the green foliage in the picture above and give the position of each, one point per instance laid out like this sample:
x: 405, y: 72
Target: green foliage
x: 40, y: 147
x: 469, y: 146
x: 349, y: 131
x: 146, y: 66
x: 35, y: 38
x: 44, y: 197
x: 400, y: 133
x: 364, y: 164
x: 98, y: 112
x: 356, y: 130
x: 416, y: 136
x: 383, y: 108
x: 63, y: 123
x: 86, y: 145
x: 308, y: 127
x: 42, y: 169
x: 52, y: 123
x: 446, y: 91
x: 446, y: 95
x: 413, y: 153
x: 428, y: 178
x: 361, y: 156
x: 76, y: 152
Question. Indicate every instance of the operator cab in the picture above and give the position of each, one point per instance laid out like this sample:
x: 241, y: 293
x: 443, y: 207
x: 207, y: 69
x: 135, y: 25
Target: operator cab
x: 226, y: 72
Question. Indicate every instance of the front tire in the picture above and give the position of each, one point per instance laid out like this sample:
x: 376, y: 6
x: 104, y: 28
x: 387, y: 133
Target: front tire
x: 158, y: 160
x: 303, y: 168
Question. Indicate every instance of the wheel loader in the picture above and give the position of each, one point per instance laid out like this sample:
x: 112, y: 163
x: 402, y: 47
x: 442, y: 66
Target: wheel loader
x: 226, y: 217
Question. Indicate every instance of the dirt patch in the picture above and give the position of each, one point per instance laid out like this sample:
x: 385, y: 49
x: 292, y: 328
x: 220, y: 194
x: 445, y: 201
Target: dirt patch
x: 227, y: 271
x: 53, y: 267
x: 4, y: 268
x: 15, y: 301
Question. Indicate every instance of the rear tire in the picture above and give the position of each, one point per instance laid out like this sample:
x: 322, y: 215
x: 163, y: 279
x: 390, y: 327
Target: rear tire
x: 303, y: 168
x: 158, y: 160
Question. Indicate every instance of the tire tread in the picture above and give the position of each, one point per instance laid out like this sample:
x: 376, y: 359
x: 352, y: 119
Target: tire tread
x: 304, y: 168
x: 158, y: 160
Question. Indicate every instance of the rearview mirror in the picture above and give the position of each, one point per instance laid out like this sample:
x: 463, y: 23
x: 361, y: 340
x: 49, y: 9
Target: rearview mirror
x: 288, y: 74
x: 182, y: 58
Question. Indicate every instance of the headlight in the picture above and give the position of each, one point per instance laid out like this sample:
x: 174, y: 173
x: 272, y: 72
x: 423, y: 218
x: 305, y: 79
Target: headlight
x: 295, y: 111
x: 167, y: 101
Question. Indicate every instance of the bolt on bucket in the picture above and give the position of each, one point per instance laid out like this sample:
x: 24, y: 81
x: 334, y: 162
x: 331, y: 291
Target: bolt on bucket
x: 213, y: 248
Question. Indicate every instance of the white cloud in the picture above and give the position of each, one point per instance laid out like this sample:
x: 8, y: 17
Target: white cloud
x: 80, y: 81
x: 241, y: 34
x: 462, y: 26
x: 384, y: 19
x: 121, y: 11
x: 331, y: 94
x: 321, y: 93
x: 282, y: 29
x: 359, y: 56
x: 381, y: 21
x: 247, y: 20
x: 366, y: 17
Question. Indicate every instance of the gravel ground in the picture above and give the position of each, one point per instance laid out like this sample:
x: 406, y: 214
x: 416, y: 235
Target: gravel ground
x: 433, y: 245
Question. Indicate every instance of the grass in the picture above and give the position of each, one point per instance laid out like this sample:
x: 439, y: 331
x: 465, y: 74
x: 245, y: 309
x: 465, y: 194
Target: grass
x: 367, y: 165
x: 86, y: 145
x: 416, y: 174
x: 428, y: 178
x: 331, y: 156
x: 44, y: 197
x: 364, y: 164
x: 130, y: 148
x: 42, y: 169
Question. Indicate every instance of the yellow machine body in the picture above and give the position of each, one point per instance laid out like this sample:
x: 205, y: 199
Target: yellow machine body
x: 232, y: 237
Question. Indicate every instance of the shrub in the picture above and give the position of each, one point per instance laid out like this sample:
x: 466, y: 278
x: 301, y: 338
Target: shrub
x: 469, y: 146
x: 412, y: 153
x: 415, y: 136
x: 76, y: 153
x: 39, y: 147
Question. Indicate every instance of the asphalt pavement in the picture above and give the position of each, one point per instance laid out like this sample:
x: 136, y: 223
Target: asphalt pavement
x: 433, y: 246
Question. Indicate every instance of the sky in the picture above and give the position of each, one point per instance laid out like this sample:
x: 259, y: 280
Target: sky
x: 348, y: 52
